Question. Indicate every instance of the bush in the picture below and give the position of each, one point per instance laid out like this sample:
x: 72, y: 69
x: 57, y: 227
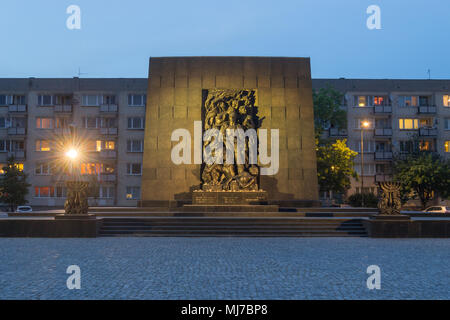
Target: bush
x: 370, y: 200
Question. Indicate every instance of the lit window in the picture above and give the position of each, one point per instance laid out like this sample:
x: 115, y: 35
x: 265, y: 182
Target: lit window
x: 44, y: 123
x: 99, y: 145
x: 447, y: 146
x: 446, y: 100
x: 362, y: 101
x: 44, y: 192
x: 408, y: 124
x: 379, y: 101
x: 109, y: 145
x: 133, y: 193
x: 43, y: 145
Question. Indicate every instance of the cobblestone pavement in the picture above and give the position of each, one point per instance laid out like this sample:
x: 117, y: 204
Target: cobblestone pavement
x: 224, y: 268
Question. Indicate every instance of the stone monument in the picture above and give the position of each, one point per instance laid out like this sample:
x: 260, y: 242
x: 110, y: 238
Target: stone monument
x: 265, y: 102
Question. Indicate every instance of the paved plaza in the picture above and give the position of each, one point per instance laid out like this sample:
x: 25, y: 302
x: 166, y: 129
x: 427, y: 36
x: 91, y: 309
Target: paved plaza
x: 224, y: 268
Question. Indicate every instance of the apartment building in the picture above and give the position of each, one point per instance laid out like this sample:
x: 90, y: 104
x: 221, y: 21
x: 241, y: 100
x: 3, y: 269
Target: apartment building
x: 109, y: 117
x: 397, y: 112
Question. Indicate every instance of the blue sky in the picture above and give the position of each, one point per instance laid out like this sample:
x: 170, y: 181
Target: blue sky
x: 117, y: 37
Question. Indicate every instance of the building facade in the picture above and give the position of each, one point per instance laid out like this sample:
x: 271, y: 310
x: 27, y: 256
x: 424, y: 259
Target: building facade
x: 402, y: 115
x: 109, y: 114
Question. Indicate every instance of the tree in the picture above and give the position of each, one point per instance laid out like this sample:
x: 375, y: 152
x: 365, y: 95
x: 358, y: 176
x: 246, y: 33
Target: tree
x: 335, y: 165
x: 424, y: 174
x: 13, y: 185
x: 327, y: 109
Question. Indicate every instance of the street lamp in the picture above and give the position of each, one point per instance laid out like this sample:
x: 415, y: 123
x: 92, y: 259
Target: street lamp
x: 364, y: 124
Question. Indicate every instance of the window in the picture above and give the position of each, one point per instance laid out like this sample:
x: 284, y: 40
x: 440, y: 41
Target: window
x: 4, y: 122
x: 43, y: 145
x: 91, y: 122
x: 44, y: 192
x: 447, y: 124
x: 133, y: 193
x: 361, y: 101
x: 43, y: 169
x: 446, y: 100
x: 108, y: 122
x: 447, y: 146
x: 134, y: 169
x: 99, y: 145
x: 426, y: 145
x: 380, y: 101
x: 135, y: 146
x: 96, y: 168
x: 136, y: 123
x: 407, y: 101
x: 19, y: 166
x: 137, y: 100
x: 62, y: 100
x: 44, y: 123
x: 109, y: 99
x: 369, y: 169
x: 62, y: 122
x: 5, y: 145
x: 106, y: 192
x: 369, y: 145
x: 91, y: 168
x: 91, y: 100
x: 424, y: 101
x: 408, y: 124
x: 45, y: 100
x: 5, y: 100
x: 407, y: 146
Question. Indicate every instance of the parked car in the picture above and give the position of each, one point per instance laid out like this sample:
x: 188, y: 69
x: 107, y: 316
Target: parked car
x: 24, y: 209
x: 437, y: 209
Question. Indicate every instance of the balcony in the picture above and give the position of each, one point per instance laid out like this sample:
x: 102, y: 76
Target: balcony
x: 383, y: 155
x: 107, y: 177
x: 108, y: 154
x: 383, y: 132
x: 382, y: 177
x: 17, y: 108
x: 334, y: 132
x: 17, y: 131
x: 428, y: 132
x: 19, y: 154
x: 63, y: 108
x: 427, y: 109
x: 108, y: 131
x: 382, y: 109
x: 62, y: 131
x: 108, y: 108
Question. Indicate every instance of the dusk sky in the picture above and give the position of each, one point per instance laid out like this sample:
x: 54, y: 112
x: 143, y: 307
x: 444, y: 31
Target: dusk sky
x: 117, y: 37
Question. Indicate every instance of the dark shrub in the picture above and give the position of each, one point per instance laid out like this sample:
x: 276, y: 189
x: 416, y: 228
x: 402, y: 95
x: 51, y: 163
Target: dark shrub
x: 370, y: 200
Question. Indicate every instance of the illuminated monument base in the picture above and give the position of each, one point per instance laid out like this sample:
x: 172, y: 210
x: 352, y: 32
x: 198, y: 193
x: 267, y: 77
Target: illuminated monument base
x: 220, y: 93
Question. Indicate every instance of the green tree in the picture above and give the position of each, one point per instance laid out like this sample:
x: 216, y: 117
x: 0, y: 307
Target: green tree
x: 423, y: 174
x: 335, y: 165
x: 13, y: 185
x: 327, y: 109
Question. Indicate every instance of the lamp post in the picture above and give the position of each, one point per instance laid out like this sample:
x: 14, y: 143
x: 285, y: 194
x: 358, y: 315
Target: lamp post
x: 76, y: 202
x: 364, y: 124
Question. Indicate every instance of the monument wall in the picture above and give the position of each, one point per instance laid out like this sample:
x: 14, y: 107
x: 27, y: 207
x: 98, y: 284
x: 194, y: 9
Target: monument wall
x: 175, y: 99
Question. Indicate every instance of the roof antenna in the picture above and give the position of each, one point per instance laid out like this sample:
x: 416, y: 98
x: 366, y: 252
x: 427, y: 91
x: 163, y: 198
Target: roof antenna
x: 79, y: 72
x: 429, y: 74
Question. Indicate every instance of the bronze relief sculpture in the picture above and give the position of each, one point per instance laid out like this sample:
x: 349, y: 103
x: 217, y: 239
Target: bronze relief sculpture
x: 234, y: 110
